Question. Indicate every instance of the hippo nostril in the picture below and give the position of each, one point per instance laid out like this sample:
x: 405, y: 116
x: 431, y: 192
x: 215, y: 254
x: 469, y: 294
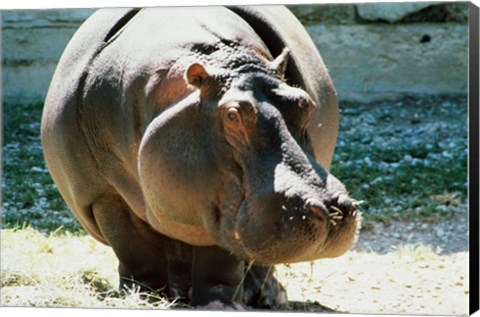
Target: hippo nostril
x: 317, y: 208
x: 353, y: 211
x: 345, y: 204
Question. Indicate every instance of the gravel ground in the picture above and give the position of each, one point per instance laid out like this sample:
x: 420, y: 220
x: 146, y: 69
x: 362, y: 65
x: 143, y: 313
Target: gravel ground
x: 445, y: 237
x: 436, y: 128
x: 409, y: 120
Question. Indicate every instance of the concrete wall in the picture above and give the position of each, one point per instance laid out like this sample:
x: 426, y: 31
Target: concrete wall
x: 375, y: 51
x: 32, y: 42
x: 372, y: 50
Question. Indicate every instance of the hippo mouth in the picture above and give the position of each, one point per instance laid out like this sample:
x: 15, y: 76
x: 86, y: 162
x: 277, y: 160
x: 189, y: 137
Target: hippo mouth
x: 309, y: 232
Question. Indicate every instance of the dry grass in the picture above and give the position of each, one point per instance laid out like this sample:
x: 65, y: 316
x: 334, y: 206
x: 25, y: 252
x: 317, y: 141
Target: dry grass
x: 75, y: 271
x: 63, y: 271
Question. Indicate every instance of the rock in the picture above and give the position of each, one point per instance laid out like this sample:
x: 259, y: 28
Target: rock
x: 457, y: 12
x: 324, y: 13
x: 396, y: 235
x: 440, y: 232
x: 391, y: 12
x: 407, y: 158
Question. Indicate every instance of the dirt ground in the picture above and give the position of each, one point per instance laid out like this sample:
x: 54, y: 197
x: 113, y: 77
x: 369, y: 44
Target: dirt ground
x: 399, y: 268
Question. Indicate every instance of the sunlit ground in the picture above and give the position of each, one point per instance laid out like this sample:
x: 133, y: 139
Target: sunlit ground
x: 76, y: 271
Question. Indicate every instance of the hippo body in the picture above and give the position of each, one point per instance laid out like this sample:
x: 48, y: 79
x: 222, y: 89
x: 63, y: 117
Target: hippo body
x: 194, y: 141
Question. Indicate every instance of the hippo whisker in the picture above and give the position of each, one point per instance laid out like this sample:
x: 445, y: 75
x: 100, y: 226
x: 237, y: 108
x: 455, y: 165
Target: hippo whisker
x: 333, y: 214
x: 357, y: 202
x: 337, y: 211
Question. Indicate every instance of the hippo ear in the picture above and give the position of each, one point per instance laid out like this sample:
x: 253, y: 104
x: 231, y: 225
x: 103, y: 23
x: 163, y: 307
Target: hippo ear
x: 196, y: 75
x: 279, y: 64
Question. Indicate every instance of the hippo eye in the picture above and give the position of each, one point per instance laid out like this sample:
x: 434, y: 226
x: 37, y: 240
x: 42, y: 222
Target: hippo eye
x: 307, y: 107
x: 306, y: 103
x: 233, y: 115
x: 302, y: 103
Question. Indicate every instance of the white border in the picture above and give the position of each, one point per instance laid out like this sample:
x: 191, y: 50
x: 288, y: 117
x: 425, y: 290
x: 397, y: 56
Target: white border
x: 50, y: 4
x: 47, y: 4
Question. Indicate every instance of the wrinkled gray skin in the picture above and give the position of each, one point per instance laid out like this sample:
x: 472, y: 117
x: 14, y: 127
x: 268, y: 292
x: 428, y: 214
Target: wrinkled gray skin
x: 195, y: 140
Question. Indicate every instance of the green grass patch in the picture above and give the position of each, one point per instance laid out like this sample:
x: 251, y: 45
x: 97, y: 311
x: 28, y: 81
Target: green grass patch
x: 29, y: 195
x: 394, y: 186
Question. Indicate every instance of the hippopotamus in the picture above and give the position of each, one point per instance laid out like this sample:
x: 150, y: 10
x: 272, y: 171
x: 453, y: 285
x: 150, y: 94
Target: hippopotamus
x: 197, y: 143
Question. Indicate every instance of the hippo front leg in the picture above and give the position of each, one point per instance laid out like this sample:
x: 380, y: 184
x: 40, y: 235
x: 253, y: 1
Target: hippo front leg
x: 180, y: 257
x: 217, y: 276
x: 140, y: 251
x: 261, y: 288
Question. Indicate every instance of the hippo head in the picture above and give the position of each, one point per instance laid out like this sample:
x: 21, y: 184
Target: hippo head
x: 253, y: 182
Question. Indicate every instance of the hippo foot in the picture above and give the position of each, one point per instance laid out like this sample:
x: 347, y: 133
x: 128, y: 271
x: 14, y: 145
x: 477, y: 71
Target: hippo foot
x: 261, y: 288
x: 218, y: 305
